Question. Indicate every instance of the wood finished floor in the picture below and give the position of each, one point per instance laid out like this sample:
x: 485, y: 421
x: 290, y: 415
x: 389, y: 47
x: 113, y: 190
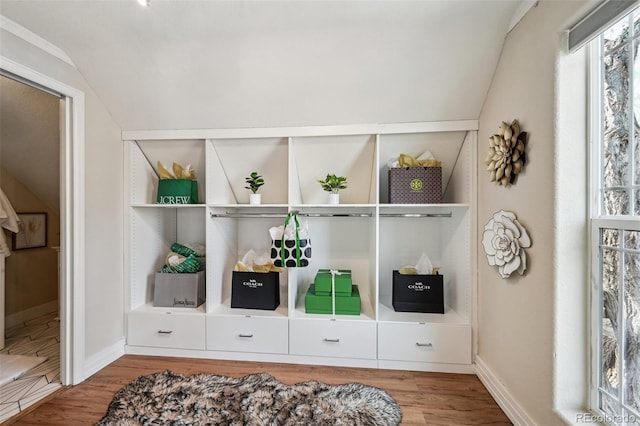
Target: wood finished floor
x: 425, y: 398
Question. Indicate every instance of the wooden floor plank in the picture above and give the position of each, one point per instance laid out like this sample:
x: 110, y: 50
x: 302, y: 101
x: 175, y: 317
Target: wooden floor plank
x: 425, y: 398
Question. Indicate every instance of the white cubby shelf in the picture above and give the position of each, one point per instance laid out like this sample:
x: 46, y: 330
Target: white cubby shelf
x: 364, y: 233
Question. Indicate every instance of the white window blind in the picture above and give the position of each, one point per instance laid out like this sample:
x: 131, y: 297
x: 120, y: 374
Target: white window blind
x: 597, y: 21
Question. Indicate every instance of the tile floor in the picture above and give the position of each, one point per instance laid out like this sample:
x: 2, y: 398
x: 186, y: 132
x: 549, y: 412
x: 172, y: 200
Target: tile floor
x: 40, y: 336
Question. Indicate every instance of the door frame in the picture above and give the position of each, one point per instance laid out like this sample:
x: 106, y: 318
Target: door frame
x: 72, y: 263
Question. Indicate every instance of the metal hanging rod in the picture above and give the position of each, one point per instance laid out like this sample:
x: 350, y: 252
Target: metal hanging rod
x: 282, y: 215
x: 449, y: 214
x: 248, y: 215
x: 335, y: 214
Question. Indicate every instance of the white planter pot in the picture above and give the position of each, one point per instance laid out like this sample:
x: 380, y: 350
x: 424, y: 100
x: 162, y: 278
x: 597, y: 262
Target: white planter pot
x: 255, y: 198
x: 334, y: 198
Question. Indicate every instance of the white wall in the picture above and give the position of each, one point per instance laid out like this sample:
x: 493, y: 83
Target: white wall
x: 516, y: 316
x: 103, y: 199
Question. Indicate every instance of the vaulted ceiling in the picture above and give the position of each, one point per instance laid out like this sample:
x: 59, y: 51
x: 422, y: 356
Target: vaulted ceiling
x: 30, y: 139
x: 196, y: 64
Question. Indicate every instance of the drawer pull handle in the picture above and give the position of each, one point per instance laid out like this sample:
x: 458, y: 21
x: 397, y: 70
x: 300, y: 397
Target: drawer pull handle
x: 248, y: 336
x: 424, y: 345
x: 165, y: 331
x: 331, y: 340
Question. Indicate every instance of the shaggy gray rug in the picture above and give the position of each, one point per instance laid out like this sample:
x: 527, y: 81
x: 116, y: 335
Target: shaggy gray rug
x: 168, y: 398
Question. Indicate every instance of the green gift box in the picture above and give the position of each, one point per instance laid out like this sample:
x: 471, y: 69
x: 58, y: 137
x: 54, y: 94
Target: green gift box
x: 321, y: 304
x: 177, y: 191
x: 343, y: 283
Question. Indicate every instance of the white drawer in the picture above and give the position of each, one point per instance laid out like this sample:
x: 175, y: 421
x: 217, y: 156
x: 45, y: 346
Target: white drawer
x: 332, y: 338
x: 248, y: 334
x: 442, y: 343
x: 166, y: 330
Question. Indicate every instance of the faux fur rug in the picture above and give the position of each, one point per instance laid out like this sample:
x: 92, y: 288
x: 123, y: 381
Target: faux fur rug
x: 168, y: 398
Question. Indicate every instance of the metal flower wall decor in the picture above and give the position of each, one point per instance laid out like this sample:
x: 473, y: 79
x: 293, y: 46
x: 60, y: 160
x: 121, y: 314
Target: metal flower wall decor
x: 506, y: 157
x: 504, y: 240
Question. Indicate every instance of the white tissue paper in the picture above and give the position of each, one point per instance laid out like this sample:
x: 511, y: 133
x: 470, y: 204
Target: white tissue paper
x: 290, y: 233
x: 427, y: 155
x: 247, y: 260
x: 252, y: 258
x: 424, y: 265
x: 174, y: 259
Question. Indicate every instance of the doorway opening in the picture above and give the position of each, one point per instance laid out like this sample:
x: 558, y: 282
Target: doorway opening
x: 29, y: 246
x: 70, y: 180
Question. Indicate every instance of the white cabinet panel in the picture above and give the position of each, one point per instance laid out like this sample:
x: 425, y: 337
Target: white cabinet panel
x: 248, y: 334
x: 442, y: 343
x: 166, y: 330
x: 333, y: 338
x: 365, y: 233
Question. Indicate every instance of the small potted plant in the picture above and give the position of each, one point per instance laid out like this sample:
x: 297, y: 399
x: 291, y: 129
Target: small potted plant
x: 333, y: 184
x: 254, y: 182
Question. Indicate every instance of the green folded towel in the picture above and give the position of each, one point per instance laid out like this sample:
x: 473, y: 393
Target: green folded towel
x: 184, y: 250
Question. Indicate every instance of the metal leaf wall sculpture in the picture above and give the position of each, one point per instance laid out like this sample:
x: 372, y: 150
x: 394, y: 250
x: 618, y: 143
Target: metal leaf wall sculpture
x: 506, y: 157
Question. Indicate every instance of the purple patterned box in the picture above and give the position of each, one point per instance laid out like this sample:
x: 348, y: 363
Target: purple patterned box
x: 415, y: 185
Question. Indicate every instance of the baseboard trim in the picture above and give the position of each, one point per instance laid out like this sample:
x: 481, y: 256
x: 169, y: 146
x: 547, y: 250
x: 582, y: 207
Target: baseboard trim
x: 251, y: 356
x: 98, y: 361
x: 503, y: 397
x: 30, y: 313
x: 433, y: 367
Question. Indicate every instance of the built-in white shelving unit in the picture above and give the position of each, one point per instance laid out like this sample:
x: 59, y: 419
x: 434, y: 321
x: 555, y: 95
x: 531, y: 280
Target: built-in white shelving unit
x: 364, y: 233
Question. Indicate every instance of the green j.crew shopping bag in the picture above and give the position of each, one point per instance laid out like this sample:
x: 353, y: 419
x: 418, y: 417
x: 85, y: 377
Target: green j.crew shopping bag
x: 177, y: 191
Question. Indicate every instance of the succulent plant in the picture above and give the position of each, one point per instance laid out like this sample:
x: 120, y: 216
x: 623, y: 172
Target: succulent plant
x: 254, y: 182
x: 333, y: 183
x: 506, y: 157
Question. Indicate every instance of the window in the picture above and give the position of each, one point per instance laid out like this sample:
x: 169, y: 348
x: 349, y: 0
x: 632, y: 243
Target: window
x: 615, y: 222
